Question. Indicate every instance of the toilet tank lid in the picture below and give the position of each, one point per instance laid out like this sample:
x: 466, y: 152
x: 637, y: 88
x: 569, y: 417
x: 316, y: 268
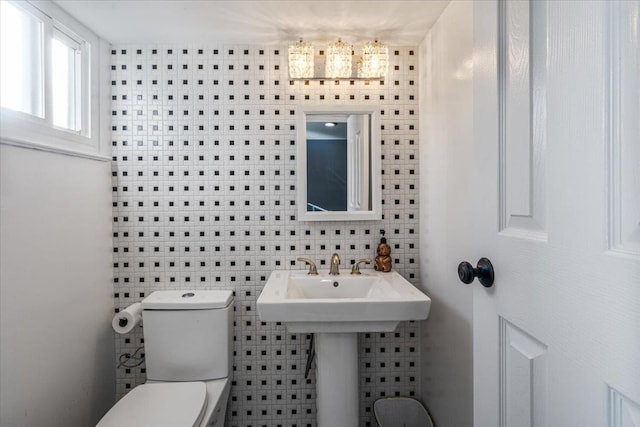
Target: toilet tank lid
x: 187, y: 300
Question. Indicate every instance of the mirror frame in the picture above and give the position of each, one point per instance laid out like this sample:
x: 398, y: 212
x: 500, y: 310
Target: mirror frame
x: 375, y: 213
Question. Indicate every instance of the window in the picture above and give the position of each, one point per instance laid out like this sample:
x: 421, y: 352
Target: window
x: 45, y: 74
x: 21, y: 60
x: 66, y: 72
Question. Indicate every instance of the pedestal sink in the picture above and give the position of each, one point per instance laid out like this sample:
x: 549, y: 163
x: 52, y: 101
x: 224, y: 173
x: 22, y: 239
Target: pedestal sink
x: 336, y: 308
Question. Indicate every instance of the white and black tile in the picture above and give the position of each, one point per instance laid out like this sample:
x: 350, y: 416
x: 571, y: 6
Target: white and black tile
x: 204, y: 197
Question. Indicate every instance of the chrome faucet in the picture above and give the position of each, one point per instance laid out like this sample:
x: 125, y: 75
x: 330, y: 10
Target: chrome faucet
x: 333, y: 268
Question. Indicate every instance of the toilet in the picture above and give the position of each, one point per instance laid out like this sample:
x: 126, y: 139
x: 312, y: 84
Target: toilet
x: 188, y: 341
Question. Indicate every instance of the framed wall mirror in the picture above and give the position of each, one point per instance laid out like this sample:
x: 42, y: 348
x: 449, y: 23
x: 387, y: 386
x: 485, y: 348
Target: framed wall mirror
x: 339, y: 163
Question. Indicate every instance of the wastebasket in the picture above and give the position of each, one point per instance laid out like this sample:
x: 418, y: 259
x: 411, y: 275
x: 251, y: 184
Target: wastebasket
x: 401, y: 412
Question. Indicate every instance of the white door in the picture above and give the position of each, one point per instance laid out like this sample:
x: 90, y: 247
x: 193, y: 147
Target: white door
x: 557, y: 167
x: 358, y: 160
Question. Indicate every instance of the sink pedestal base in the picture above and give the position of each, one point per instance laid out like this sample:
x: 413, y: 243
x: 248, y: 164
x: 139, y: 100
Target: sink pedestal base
x: 337, y: 379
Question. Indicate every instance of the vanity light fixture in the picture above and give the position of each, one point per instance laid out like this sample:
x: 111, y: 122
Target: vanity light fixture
x: 301, y: 60
x: 339, y: 60
x: 375, y: 60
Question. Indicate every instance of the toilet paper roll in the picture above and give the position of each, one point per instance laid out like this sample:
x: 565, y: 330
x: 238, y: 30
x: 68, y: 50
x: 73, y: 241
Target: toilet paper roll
x: 125, y: 320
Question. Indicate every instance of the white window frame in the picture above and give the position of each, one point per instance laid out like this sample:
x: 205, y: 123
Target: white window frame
x: 18, y: 128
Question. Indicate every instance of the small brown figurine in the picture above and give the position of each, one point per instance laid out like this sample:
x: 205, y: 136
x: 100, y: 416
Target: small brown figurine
x: 383, y: 259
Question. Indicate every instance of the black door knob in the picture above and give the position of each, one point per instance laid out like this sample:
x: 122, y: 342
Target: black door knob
x: 483, y: 271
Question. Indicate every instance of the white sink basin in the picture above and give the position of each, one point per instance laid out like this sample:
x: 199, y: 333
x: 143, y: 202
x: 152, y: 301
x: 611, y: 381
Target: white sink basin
x: 370, y: 302
x: 335, y: 308
x: 322, y: 286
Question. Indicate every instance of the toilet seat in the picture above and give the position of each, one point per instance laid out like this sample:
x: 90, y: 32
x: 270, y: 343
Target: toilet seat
x: 159, y: 405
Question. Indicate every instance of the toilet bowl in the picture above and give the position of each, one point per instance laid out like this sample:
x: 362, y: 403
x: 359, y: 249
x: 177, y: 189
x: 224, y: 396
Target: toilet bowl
x: 188, y: 360
x: 170, y: 404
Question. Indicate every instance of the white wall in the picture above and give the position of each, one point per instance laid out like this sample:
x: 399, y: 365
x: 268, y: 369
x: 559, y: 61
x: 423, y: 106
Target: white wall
x: 446, y: 130
x: 56, y: 295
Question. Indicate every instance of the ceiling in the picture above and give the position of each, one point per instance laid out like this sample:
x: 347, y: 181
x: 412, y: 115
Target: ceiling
x: 318, y: 130
x: 399, y: 23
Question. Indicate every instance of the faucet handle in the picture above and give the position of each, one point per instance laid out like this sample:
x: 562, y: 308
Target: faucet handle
x: 312, y: 265
x: 356, y: 267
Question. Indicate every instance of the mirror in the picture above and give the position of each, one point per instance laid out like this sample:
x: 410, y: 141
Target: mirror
x: 339, y: 163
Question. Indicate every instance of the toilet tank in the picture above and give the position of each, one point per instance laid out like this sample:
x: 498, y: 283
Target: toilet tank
x: 187, y: 335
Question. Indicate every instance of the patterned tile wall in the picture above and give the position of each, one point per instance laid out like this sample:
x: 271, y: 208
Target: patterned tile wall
x: 204, y: 197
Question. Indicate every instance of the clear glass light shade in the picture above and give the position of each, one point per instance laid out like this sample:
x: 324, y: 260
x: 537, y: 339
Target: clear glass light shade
x: 375, y: 60
x: 301, y: 60
x: 339, y: 60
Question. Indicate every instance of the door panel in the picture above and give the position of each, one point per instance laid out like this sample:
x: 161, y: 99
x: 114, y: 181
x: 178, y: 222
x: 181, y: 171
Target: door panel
x: 624, y: 116
x: 521, y: 90
x: 358, y: 161
x: 560, y: 329
x: 523, y: 374
x: 622, y: 411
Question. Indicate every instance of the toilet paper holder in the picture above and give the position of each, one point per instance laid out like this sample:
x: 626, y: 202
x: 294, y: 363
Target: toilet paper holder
x: 125, y: 320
